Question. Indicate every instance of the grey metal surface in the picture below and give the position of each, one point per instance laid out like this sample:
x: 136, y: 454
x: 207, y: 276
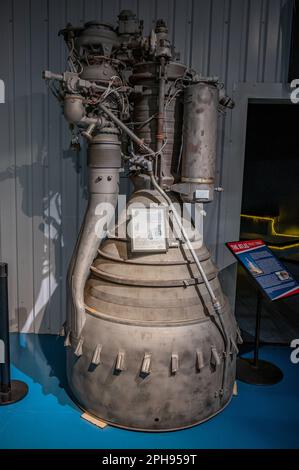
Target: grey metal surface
x: 161, y: 399
x: 200, y: 138
x: 146, y: 106
x: 43, y: 184
x: 103, y: 188
x: 151, y: 354
x: 165, y: 304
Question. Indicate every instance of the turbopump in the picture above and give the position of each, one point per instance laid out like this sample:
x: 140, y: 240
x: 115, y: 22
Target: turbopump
x: 151, y: 339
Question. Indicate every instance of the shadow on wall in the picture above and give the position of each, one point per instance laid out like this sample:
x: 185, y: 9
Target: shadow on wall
x: 48, y: 200
x: 42, y: 358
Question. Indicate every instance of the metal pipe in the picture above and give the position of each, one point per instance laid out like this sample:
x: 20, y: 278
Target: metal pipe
x: 5, y: 382
x: 214, y: 299
x: 259, y: 307
x: 161, y: 112
x: 128, y: 131
x: 62, y: 77
x: 133, y: 136
x: 84, y: 254
x: 103, y: 181
x: 88, y: 133
x: 11, y: 391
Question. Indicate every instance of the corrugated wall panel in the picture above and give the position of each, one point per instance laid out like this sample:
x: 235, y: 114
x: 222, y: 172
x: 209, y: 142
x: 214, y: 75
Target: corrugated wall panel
x: 271, y: 40
x: 182, y: 28
x: 92, y: 9
x: 8, y: 228
x: 53, y: 207
x: 228, y: 202
x: 39, y: 167
x: 23, y: 161
x: 70, y: 169
x: 43, y: 183
x: 147, y: 11
x: 252, y: 49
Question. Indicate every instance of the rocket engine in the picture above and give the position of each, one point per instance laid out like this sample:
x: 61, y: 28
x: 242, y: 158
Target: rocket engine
x: 151, y: 339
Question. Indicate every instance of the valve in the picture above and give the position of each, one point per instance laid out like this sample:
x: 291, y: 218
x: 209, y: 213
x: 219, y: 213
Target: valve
x: 88, y: 133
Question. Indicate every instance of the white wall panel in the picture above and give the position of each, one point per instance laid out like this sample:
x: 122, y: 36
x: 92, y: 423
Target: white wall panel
x: 43, y: 183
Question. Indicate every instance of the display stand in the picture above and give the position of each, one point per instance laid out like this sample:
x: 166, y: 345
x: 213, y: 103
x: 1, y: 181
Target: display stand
x: 254, y: 370
x: 11, y: 391
x: 274, y: 282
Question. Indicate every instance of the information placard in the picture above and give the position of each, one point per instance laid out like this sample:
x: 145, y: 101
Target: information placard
x: 266, y: 269
x: 148, y: 230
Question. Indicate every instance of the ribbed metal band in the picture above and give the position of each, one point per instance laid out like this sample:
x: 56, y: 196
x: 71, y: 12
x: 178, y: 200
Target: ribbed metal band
x: 197, y: 180
x: 150, y: 283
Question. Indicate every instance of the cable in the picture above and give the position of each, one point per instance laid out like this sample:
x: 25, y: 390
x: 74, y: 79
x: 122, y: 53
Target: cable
x: 214, y: 299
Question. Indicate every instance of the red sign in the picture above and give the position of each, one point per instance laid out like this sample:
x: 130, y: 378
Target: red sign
x: 240, y: 247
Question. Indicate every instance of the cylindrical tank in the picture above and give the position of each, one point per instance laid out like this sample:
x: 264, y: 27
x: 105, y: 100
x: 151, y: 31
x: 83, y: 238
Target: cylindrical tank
x: 146, y: 110
x: 199, y: 139
x: 151, y: 355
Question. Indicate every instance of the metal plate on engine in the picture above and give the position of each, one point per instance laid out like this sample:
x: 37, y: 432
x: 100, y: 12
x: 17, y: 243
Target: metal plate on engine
x: 148, y: 230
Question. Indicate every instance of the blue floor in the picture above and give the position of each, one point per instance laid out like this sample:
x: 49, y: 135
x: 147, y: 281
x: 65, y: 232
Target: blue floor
x: 259, y: 417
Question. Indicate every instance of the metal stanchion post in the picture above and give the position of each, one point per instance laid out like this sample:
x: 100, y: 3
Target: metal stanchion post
x: 11, y: 391
x: 255, y: 371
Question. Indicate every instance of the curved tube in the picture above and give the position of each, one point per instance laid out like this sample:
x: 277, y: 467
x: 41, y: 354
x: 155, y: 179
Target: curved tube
x: 215, y: 301
x: 97, y: 220
x: 128, y: 131
x: 103, y: 178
